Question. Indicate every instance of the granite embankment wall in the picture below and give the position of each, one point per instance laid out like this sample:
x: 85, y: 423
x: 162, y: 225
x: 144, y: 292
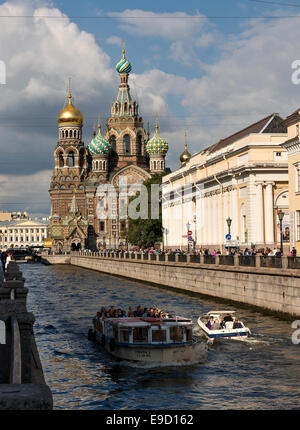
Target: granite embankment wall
x: 22, y: 382
x: 272, y: 289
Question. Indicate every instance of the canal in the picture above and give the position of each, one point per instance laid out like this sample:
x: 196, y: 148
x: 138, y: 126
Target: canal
x: 261, y: 373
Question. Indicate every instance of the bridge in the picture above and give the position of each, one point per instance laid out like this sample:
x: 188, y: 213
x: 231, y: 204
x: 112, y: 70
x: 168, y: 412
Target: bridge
x: 22, y: 382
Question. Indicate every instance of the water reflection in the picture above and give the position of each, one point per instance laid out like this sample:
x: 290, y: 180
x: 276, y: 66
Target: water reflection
x: 261, y: 373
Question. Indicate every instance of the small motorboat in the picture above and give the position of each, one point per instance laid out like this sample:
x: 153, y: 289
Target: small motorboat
x: 229, y: 326
x: 144, y: 339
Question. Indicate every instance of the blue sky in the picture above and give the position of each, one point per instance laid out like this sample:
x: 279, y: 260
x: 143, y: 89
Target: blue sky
x: 209, y: 68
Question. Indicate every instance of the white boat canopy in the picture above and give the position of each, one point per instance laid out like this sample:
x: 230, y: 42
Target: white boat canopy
x: 220, y: 312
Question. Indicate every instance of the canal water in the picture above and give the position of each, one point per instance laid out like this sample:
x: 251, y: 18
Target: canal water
x: 261, y: 373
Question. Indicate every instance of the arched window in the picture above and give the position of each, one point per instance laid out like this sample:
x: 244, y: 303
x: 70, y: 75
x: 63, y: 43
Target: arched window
x: 126, y: 142
x: 81, y: 158
x: 71, y: 160
x: 154, y: 165
x: 139, y: 144
x: 71, y: 133
x: 66, y: 133
x: 61, y: 159
x: 113, y: 143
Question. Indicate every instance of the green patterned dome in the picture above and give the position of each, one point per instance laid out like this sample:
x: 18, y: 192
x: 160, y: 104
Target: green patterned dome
x: 99, y: 145
x: 157, y: 145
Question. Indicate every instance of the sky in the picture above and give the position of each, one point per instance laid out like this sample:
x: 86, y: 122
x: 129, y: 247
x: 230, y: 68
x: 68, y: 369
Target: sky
x: 209, y: 68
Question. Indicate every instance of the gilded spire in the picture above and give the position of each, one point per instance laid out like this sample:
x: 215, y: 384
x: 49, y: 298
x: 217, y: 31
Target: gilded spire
x: 156, y: 124
x: 99, y: 123
x: 123, y: 50
x: 185, y: 156
x: 69, y: 88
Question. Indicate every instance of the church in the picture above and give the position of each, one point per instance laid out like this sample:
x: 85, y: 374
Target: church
x: 123, y: 153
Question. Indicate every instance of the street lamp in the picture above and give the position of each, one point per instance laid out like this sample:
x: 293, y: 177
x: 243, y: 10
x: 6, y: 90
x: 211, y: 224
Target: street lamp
x: 229, y: 221
x: 280, y: 216
x: 187, y: 229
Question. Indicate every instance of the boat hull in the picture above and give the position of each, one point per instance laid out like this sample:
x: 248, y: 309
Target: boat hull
x: 237, y: 334
x: 148, y: 353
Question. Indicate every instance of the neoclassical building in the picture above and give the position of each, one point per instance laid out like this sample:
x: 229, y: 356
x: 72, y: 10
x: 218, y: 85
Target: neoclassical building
x: 243, y: 178
x: 123, y: 154
x: 292, y: 146
x: 22, y: 234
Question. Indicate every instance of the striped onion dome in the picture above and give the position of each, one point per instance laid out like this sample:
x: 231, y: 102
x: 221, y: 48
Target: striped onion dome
x: 99, y: 145
x: 123, y: 66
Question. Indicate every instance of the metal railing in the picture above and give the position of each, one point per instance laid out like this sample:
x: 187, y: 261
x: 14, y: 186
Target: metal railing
x: 209, y: 259
x: 271, y: 261
x: 294, y: 262
x: 247, y: 260
x: 226, y: 260
x: 258, y: 261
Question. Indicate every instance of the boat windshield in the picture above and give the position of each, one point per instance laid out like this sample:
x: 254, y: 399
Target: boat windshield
x: 159, y: 335
x: 177, y: 333
x: 140, y: 335
x: 125, y: 334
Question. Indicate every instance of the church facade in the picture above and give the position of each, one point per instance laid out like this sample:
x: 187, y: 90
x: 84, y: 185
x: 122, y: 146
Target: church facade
x: 123, y: 154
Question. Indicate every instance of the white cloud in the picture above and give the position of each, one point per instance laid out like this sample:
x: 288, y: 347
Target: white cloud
x: 41, y: 53
x: 172, y: 26
x: 114, y: 40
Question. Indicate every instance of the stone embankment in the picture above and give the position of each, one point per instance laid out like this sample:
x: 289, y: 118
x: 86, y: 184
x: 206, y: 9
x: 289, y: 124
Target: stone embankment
x: 22, y: 382
x: 268, y: 283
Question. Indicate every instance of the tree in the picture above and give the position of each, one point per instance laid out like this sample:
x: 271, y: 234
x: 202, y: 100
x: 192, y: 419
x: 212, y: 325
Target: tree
x: 145, y: 232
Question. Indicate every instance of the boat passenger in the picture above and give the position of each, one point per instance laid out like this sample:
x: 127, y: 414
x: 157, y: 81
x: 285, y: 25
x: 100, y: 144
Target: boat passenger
x: 216, y: 325
x: 130, y: 312
x: 145, y: 313
x: 237, y: 324
x: 138, y: 312
x: 210, y: 323
x: 150, y: 313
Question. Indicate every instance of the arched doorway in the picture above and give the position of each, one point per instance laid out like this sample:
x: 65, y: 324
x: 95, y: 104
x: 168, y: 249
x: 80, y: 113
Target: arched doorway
x: 76, y: 246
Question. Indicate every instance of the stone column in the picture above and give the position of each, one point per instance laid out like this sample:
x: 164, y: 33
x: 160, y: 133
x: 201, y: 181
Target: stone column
x: 269, y: 213
x: 19, y: 235
x: 14, y: 235
x: 34, y: 235
x: 259, y: 214
x: 233, y: 214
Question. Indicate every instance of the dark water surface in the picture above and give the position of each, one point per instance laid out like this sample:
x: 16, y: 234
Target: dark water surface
x: 261, y: 373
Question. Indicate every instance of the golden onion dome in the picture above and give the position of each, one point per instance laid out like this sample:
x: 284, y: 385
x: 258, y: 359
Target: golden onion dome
x: 185, y: 156
x: 69, y: 113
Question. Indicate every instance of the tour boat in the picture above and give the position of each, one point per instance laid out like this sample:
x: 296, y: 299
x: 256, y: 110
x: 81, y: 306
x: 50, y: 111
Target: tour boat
x: 150, y: 340
x: 227, y: 331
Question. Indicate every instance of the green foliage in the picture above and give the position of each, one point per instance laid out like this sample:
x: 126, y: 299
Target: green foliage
x: 145, y: 232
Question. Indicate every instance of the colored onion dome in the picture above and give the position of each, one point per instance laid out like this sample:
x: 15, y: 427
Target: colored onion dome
x: 123, y: 65
x: 157, y: 145
x: 70, y: 114
x: 99, y: 145
x: 185, y: 156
